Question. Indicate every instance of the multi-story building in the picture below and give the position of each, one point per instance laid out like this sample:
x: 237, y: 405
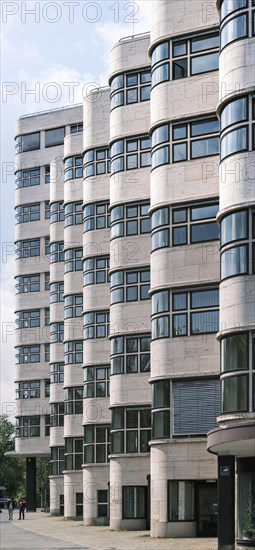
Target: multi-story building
x: 135, y: 368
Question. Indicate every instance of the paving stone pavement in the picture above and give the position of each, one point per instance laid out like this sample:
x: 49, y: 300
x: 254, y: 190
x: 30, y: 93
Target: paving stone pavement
x: 40, y: 531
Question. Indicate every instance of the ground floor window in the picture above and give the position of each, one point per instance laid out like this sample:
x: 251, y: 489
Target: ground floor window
x: 79, y: 504
x: 134, y: 502
x: 181, y: 499
x: 102, y: 503
x: 246, y: 506
x: 61, y: 505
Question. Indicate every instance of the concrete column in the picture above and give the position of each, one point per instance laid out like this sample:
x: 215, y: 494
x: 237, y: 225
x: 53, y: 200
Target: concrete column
x: 226, y: 503
x: 31, y: 484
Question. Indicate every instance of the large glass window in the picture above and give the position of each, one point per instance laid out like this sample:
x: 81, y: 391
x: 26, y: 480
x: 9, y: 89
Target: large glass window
x: 73, y: 259
x: 57, y: 461
x: 234, y: 394
x: 28, y: 389
x: 96, y: 381
x: 28, y: 354
x: 57, y: 414
x: 130, y: 154
x: 134, y: 502
x: 73, y: 306
x: 95, y: 270
x: 130, y: 88
x: 238, y: 259
x: 96, y: 162
x: 235, y: 136
x: 130, y: 219
x: 73, y: 213
x: 190, y: 313
x: 184, y: 225
x: 130, y: 430
x: 95, y: 216
x: 73, y: 400
x: 57, y: 373
x: 56, y: 292
x: 56, y: 333
x: 183, y: 58
x: 28, y: 426
x: 28, y: 318
x: 27, y: 249
x: 73, y: 352
x: 73, y: 168
x: 96, y: 324
x: 27, y: 178
x: 27, y: 283
x: 183, y: 141
x: 73, y: 453
x: 27, y: 213
x: 96, y: 443
x: 181, y: 500
x: 130, y: 286
x: 234, y: 352
x: 234, y: 261
x: 54, y: 137
x: 27, y: 142
x: 57, y: 212
x: 130, y: 355
x: 57, y: 252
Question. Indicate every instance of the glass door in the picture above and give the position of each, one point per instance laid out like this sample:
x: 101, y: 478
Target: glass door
x: 207, y: 509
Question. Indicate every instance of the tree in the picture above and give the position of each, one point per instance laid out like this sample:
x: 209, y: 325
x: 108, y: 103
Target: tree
x: 12, y: 471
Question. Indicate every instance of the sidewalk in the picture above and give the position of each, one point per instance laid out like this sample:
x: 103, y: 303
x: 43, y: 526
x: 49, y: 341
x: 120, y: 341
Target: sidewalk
x: 101, y: 538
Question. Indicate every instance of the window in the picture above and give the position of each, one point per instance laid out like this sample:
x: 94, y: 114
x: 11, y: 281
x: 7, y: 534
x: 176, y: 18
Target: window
x: 79, y: 504
x: 130, y: 286
x: 56, y: 292
x: 28, y: 319
x: 96, y: 443
x: 27, y: 142
x: 96, y: 324
x: 28, y: 213
x: 130, y: 219
x: 134, y: 502
x: 28, y: 426
x: 73, y: 400
x: 95, y: 270
x: 57, y: 373
x: 57, y: 462
x: 186, y: 313
x: 47, y: 425
x: 234, y: 352
x: 28, y: 354
x: 57, y: 213
x: 184, y: 225
x: 28, y: 390
x: 27, y: 283
x: 183, y: 58
x: 130, y: 430
x: 96, y: 381
x: 130, y: 355
x: 237, y: 126
x: 56, y: 333
x: 27, y: 178
x: 56, y: 252
x: 47, y: 353
x: 47, y: 281
x: 130, y: 154
x: 194, y: 407
x: 73, y: 306
x: 47, y: 246
x: 57, y: 414
x: 238, y: 229
x: 47, y: 388
x: 96, y: 162
x: 76, y: 128
x: 235, y: 396
x: 95, y: 216
x: 28, y: 249
x: 73, y: 259
x: 73, y: 352
x: 73, y: 213
x: 54, y: 137
x: 102, y: 503
x: 47, y: 173
x: 73, y: 168
x: 47, y: 316
x: 47, y: 210
x: 130, y: 88
x: 73, y: 453
x: 181, y: 500
x: 184, y: 141
x: 235, y: 21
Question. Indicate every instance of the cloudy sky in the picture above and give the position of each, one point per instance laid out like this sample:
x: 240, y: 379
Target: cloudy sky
x: 51, y: 53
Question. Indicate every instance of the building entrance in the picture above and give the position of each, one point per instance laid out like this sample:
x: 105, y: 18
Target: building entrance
x: 206, y: 497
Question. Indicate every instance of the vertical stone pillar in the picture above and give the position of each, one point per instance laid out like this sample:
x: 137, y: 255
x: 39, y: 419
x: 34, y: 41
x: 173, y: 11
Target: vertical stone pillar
x: 31, y: 484
x: 226, y: 503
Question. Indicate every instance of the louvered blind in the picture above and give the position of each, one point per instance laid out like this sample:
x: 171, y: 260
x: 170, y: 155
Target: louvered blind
x: 196, y: 404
